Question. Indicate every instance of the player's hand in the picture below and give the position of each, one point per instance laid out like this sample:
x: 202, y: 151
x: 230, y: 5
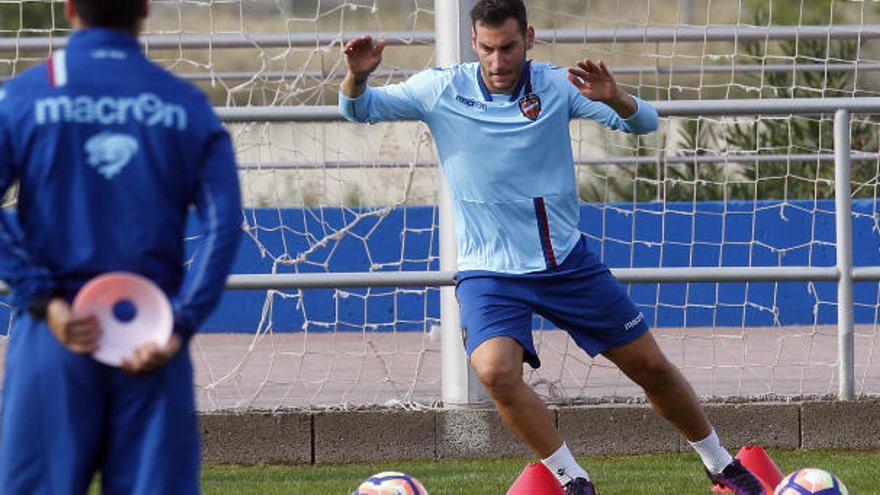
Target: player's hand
x: 80, y: 335
x: 594, y: 80
x: 363, y: 55
x: 596, y: 83
x: 149, y: 357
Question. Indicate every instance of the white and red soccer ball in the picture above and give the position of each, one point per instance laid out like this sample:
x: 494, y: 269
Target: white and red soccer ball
x: 391, y: 483
x: 811, y: 482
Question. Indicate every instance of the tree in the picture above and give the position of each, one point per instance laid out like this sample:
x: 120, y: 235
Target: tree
x: 811, y: 179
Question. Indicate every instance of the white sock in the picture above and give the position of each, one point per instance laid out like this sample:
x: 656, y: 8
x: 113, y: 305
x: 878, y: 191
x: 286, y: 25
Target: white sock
x: 562, y: 464
x: 714, y: 456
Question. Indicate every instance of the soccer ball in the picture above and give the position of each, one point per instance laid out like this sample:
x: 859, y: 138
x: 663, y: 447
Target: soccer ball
x: 391, y: 483
x: 811, y: 482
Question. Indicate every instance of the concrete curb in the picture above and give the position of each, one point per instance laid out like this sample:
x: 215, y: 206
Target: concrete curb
x: 475, y: 433
x: 365, y: 436
x: 256, y: 438
x: 851, y: 425
x: 385, y: 435
x: 616, y: 430
x: 769, y: 425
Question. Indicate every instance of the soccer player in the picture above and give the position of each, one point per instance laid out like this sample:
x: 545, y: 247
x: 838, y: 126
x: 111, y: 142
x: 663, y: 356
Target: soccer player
x: 502, y: 132
x: 109, y: 151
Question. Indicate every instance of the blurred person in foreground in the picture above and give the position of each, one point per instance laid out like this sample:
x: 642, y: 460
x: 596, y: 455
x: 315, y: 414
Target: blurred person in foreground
x: 110, y: 151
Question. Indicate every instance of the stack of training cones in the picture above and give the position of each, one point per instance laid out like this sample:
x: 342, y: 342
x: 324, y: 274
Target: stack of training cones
x: 535, y: 479
x: 756, y: 460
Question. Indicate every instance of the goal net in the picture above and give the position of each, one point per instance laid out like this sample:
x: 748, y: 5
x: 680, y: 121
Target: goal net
x: 713, y: 191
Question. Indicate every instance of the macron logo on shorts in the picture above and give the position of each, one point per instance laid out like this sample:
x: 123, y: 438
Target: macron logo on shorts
x: 635, y: 321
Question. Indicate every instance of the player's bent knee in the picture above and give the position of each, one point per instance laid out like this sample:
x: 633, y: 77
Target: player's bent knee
x: 499, y: 378
x: 498, y: 363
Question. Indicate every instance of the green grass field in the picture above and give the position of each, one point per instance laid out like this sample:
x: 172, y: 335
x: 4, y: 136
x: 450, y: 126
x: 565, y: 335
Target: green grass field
x: 678, y: 474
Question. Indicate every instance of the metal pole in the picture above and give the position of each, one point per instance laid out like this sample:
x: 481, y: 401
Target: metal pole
x: 624, y: 70
x: 676, y: 108
x: 459, y: 384
x: 310, y: 40
x: 775, y: 106
x: 843, y: 217
x: 857, y: 156
x: 351, y: 280
x: 686, y: 14
x: 624, y: 275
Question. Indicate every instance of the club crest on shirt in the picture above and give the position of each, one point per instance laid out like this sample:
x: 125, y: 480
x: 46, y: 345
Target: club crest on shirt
x: 530, y: 106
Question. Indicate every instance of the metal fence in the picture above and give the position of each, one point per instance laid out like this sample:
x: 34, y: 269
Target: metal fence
x: 843, y: 273
x: 648, y: 34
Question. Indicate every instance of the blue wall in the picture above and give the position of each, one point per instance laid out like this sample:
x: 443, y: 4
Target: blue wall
x: 765, y: 233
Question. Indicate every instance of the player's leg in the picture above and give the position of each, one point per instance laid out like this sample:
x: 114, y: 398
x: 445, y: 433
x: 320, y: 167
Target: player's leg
x: 497, y: 317
x: 672, y: 397
x: 153, y: 439
x: 585, y: 299
x: 499, y: 364
x: 53, y: 414
x: 667, y: 389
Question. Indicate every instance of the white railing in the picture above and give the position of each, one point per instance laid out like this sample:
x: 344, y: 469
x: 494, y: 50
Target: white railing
x: 648, y: 34
x: 843, y: 273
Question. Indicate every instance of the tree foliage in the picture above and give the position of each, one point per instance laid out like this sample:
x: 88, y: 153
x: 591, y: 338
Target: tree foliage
x: 671, y: 180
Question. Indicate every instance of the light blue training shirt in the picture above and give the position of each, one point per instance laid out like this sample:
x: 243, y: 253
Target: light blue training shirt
x: 507, y: 159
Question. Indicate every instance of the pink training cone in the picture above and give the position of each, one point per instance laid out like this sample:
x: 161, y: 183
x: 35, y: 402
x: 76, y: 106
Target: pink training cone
x: 131, y: 311
x: 535, y: 479
x: 756, y: 460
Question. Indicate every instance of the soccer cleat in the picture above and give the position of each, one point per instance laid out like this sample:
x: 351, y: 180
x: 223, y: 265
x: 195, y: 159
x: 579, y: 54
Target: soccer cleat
x: 579, y: 486
x: 737, y: 478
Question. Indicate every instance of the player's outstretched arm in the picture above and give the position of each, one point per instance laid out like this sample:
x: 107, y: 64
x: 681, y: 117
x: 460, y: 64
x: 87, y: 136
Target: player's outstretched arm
x: 592, y: 83
x: 362, y: 57
x: 412, y: 99
x: 596, y: 83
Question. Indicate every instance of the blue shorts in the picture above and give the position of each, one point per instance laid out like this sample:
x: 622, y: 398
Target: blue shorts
x: 66, y: 416
x: 579, y: 296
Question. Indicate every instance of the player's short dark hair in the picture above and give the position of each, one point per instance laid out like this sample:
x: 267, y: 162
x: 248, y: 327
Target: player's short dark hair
x: 496, y: 12
x: 119, y: 14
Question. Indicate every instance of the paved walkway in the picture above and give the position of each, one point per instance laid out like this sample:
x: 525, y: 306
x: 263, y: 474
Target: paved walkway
x: 284, y: 370
x: 240, y: 371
